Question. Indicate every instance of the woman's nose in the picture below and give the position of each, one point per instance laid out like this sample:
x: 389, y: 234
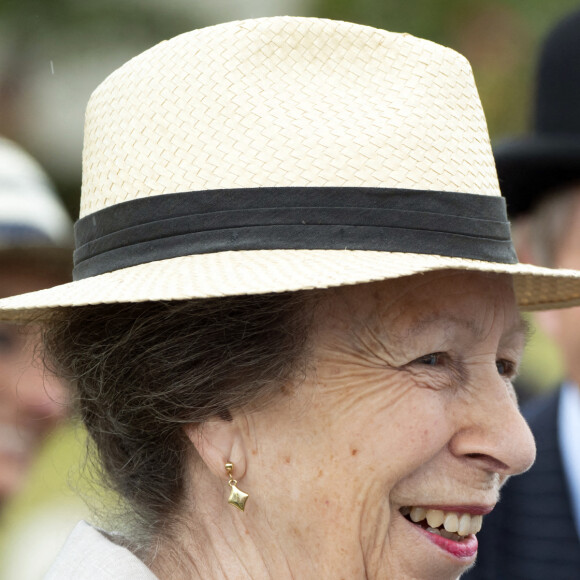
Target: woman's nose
x: 493, y: 432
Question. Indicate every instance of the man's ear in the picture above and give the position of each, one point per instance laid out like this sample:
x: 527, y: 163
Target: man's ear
x: 218, y: 442
x: 522, y: 233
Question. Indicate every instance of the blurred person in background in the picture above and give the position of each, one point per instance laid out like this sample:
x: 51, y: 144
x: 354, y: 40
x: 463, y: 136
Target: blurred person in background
x: 35, y: 253
x: 534, y: 532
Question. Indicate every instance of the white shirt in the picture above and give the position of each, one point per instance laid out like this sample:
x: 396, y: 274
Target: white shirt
x: 569, y: 442
x: 90, y: 555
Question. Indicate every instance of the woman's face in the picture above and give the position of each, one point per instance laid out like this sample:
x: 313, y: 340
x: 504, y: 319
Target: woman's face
x: 31, y: 403
x: 408, y: 404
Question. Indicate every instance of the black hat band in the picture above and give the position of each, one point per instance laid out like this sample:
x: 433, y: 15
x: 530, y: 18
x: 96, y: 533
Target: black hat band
x: 293, y: 218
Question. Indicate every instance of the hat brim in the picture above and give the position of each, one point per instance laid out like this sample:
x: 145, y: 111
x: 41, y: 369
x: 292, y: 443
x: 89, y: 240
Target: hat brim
x: 264, y: 271
x: 531, y: 167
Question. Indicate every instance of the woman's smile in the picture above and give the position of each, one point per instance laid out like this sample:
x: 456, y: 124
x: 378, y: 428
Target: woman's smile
x: 461, y: 547
x: 451, y: 528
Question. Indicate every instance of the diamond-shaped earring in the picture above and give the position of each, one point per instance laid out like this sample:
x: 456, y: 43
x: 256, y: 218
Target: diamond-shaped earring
x: 237, y: 497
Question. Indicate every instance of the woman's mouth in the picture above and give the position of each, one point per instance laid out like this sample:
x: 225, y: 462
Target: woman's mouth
x: 452, y: 531
x: 451, y: 525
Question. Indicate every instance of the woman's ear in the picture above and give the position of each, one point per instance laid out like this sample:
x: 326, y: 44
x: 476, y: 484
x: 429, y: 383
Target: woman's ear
x: 218, y: 442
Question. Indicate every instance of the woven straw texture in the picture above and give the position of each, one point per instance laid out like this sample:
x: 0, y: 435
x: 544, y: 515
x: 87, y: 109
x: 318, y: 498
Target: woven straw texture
x: 285, y: 102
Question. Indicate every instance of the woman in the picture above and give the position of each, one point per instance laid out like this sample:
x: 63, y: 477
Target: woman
x: 293, y: 323
x: 35, y: 248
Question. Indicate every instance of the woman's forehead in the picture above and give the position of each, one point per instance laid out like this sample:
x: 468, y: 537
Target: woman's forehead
x: 468, y: 300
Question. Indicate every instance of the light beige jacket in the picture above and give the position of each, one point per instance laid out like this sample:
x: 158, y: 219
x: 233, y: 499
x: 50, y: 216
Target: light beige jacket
x: 88, y: 554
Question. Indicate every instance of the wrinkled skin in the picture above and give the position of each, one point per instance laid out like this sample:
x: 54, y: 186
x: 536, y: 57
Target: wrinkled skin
x: 407, y: 402
x: 30, y: 403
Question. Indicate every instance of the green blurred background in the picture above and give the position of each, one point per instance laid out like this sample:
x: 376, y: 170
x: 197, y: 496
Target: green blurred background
x: 53, y: 53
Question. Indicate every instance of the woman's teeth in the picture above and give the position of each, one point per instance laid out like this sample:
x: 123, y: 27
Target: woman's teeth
x: 451, y: 525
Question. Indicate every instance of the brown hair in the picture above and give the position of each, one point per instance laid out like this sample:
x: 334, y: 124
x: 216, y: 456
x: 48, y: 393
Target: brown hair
x: 143, y: 370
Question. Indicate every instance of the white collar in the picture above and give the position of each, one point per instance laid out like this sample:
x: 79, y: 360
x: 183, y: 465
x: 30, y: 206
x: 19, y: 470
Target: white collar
x: 569, y: 443
x: 89, y: 555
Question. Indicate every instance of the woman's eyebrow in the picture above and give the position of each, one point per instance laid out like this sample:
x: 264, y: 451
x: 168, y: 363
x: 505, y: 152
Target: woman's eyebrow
x: 521, y: 329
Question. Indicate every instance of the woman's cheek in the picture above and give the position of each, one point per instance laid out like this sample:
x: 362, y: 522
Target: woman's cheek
x: 411, y: 432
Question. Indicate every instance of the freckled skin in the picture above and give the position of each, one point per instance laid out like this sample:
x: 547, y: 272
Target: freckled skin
x: 378, y: 424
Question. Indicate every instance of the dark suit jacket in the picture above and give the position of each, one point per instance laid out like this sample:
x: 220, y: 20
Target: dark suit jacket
x: 530, y: 535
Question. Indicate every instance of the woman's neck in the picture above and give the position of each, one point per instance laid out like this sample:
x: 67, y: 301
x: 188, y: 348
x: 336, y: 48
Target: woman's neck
x: 219, y: 552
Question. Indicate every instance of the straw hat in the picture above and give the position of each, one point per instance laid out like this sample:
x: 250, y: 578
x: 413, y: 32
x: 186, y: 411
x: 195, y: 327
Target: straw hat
x: 281, y: 154
x: 35, y: 229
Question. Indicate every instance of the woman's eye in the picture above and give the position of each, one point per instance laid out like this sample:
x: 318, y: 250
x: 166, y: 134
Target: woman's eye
x: 432, y: 359
x: 505, y: 368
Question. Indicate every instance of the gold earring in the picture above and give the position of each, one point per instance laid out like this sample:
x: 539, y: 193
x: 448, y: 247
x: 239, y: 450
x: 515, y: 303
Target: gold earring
x: 237, y: 497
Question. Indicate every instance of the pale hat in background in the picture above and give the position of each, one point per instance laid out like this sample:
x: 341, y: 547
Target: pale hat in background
x: 282, y: 154
x: 35, y: 228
